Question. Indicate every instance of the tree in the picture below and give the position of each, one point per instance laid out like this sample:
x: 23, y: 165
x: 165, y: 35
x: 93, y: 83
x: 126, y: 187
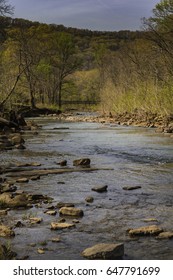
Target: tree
x: 160, y: 27
x: 64, y: 62
x: 5, y: 8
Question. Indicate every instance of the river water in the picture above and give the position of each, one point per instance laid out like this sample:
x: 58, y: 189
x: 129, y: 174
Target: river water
x: 133, y: 156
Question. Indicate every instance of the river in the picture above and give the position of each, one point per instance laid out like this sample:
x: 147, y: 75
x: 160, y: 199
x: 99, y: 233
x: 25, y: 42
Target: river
x: 133, y: 156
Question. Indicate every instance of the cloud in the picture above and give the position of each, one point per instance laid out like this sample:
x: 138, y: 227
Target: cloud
x: 91, y: 14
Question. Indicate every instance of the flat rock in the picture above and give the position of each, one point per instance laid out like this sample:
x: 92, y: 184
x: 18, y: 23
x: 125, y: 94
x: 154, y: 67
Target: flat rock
x: 130, y: 188
x: 22, y: 180
x: 51, y: 212
x: 148, y: 230
x: 34, y: 178
x: 6, y: 231
x: 100, y: 189
x: 59, y: 226
x: 165, y: 235
x: 35, y: 220
x: 56, y: 239
x: 71, y: 211
x: 104, y: 251
x: 64, y: 204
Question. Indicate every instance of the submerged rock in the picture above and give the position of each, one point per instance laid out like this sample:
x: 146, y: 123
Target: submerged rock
x: 100, y: 189
x: 148, y: 230
x: 130, y: 188
x: 104, y: 251
x: 71, y: 211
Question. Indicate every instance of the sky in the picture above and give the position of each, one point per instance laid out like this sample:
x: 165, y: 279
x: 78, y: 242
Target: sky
x: 101, y: 15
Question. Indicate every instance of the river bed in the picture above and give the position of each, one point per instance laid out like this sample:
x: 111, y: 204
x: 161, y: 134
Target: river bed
x: 133, y: 156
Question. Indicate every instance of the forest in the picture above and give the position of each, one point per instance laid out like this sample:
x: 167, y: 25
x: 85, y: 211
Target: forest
x: 52, y: 65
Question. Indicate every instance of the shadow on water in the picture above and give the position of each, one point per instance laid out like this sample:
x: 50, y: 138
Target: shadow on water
x: 135, y: 156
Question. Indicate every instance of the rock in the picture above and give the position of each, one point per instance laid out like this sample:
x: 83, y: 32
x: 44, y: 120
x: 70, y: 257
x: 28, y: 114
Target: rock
x: 63, y: 204
x: 11, y: 201
x: 165, y: 235
x: 148, y: 230
x: 104, y: 251
x: 56, y: 239
x: 40, y: 251
x: 17, y: 139
x: 22, y: 180
x: 82, y: 162
x: 51, y: 213
x: 35, y: 220
x: 6, y: 231
x: 34, y: 178
x: 75, y: 221
x: 6, y: 187
x: 71, y: 211
x: 150, y: 220
x: 100, y: 189
x: 129, y: 188
x: 62, y: 163
x: 59, y: 226
x: 19, y: 224
x: 3, y: 212
x: 20, y: 147
x: 89, y: 199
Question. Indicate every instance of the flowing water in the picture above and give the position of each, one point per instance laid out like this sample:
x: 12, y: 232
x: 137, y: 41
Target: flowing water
x: 133, y: 156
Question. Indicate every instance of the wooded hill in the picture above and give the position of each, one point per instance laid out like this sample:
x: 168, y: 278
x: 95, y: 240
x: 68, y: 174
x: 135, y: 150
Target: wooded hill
x: 49, y: 65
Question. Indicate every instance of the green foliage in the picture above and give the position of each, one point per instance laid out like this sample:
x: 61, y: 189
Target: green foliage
x: 121, y: 70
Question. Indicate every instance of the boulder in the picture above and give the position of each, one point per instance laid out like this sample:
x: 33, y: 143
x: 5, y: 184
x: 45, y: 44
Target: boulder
x: 147, y: 230
x: 82, y: 162
x: 71, y: 211
x: 6, y: 231
x: 59, y: 226
x: 100, y: 189
x: 104, y: 251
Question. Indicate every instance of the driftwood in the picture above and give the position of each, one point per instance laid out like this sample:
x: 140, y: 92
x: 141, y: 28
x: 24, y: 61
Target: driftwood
x: 6, y: 123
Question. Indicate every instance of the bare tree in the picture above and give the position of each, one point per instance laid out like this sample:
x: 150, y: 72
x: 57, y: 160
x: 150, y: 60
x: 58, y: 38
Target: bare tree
x: 5, y: 8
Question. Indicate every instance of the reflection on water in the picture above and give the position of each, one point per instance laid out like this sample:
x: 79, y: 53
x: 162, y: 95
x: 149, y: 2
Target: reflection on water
x: 136, y: 156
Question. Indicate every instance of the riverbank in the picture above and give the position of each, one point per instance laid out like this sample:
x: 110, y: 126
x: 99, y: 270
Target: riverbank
x: 161, y: 124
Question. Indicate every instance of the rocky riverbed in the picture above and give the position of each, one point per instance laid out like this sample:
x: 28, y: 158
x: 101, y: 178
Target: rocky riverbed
x: 82, y: 190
